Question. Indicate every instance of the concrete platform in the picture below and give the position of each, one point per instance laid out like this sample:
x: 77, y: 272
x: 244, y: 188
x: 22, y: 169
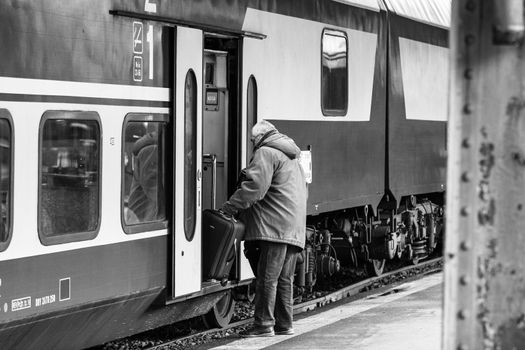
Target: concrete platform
x: 404, y: 316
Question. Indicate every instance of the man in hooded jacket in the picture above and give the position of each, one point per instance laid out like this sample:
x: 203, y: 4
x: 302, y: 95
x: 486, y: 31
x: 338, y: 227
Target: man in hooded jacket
x: 145, y: 202
x: 272, y: 200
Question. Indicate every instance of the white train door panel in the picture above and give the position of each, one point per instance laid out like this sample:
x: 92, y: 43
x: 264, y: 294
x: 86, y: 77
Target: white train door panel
x: 187, y: 236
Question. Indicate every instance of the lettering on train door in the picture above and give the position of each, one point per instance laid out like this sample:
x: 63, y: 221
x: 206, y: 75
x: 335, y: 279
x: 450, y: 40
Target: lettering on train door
x: 138, y: 48
x: 138, y: 51
x: 137, y: 68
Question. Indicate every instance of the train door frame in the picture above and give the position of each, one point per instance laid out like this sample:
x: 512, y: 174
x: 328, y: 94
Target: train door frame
x: 231, y: 47
x: 228, y: 47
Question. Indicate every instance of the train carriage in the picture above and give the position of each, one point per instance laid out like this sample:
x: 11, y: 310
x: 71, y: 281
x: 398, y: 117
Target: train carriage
x: 121, y: 121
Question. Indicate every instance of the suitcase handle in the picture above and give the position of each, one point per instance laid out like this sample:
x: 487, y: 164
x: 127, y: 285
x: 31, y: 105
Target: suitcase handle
x: 225, y: 216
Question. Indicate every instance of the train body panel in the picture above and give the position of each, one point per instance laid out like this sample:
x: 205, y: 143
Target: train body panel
x: 417, y: 108
x: 298, y: 98
x: 26, y: 242
x: 339, y: 183
x: 83, y: 85
x: 294, y: 105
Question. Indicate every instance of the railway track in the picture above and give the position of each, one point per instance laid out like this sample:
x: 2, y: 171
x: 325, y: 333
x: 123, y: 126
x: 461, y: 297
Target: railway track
x: 429, y: 266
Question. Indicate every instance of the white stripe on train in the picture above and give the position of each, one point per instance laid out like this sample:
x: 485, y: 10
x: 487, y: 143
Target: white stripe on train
x: 46, y: 87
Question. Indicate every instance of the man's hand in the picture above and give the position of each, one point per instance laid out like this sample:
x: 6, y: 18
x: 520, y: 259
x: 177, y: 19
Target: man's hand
x: 228, y: 210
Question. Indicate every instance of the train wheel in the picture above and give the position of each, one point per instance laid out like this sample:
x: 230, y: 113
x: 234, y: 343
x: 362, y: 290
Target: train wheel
x: 375, y: 267
x: 221, y: 313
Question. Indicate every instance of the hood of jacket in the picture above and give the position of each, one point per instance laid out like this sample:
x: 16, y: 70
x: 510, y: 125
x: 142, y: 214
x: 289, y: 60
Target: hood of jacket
x: 283, y: 143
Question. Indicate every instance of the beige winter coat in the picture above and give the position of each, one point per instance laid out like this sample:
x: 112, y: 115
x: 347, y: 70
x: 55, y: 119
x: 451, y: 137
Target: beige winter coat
x: 272, y: 196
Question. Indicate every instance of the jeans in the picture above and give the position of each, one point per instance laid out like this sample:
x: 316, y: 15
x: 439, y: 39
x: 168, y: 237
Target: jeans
x: 274, y: 284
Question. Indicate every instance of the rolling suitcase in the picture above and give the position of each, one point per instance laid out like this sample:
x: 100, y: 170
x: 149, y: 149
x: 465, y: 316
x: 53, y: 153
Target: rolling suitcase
x: 220, y: 234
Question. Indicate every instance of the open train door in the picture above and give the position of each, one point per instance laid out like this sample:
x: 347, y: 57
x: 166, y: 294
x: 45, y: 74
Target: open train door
x: 186, y: 240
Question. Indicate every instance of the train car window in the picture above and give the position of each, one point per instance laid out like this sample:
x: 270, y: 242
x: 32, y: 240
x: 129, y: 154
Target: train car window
x: 251, y: 113
x: 6, y: 178
x: 334, y: 76
x: 69, y: 179
x: 190, y: 157
x: 143, y: 172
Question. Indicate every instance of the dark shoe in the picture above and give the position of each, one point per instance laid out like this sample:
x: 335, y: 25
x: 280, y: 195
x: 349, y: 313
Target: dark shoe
x: 257, y: 332
x: 283, y: 331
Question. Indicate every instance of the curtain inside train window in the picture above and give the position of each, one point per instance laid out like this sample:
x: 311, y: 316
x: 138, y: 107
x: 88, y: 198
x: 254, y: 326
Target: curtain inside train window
x: 334, y: 77
x: 144, y: 167
x: 69, y: 191
x: 6, y: 178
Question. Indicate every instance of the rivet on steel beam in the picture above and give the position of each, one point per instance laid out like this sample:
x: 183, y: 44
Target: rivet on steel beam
x: 520, y: 206
x: 469, y: 39
x: 467, y: 109
x: 464, y: 246
x: 463, y: 280
x: 466, y: 177
x: 464, y: 211
x: 471, y: 6
x: 465, y: 143
x: 468, y: 74
x: 462, y: 314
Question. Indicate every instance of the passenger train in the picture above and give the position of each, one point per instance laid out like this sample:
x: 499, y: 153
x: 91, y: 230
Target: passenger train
x: 122, y: 120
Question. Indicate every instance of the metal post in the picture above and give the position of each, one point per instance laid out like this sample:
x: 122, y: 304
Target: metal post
x: 485, y: 244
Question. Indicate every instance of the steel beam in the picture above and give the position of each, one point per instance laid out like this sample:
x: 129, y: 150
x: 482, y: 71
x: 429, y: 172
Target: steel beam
x: 485, y: 243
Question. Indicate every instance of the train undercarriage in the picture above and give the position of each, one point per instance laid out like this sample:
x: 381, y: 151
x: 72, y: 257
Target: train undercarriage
x: 358, y: 238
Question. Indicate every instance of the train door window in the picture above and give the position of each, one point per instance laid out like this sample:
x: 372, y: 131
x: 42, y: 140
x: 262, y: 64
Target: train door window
x: 190, y: 156
x: 143, y: 172
x: 69, y: 178
x: 251, y: 113
x: 6, y: 178
x: 334, y: 76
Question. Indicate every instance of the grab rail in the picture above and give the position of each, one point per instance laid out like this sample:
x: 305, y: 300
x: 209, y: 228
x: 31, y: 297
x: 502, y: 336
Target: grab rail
x: 212, y: 159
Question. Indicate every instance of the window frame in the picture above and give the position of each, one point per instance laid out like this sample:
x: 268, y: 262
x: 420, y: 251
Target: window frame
x: 153, y: 225
x: 69, y: 115
x: 335, y: 112
x: 6, y: 115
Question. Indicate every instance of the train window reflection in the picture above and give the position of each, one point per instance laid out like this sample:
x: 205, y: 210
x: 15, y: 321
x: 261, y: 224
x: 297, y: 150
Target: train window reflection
x: 6, y: 177
x: 69, y: 177
x: 190, y: 156
x: 251, y: 112
x: 334, y: 80
x: 144, y: 193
